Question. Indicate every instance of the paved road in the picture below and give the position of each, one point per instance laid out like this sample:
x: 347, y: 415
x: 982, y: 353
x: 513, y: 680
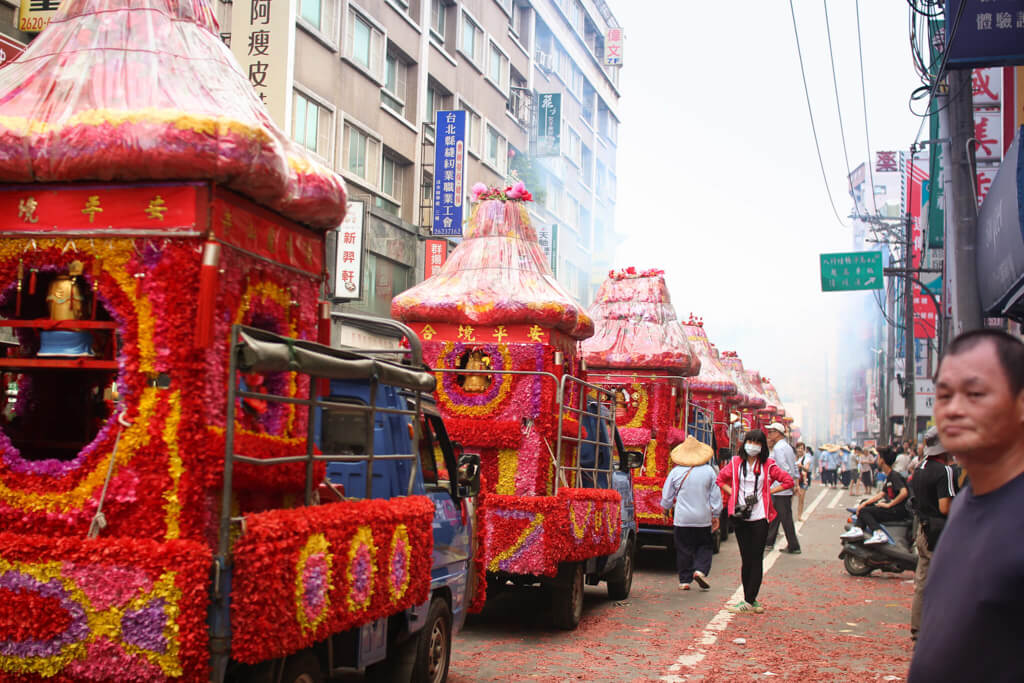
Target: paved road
x: 821, y: 624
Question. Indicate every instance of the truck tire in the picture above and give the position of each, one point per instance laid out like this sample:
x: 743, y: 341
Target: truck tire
x: 302, y: 667
x: 423, y: 658
x: 434, y: 645
x: 620, y: 581
x: 567, y: 596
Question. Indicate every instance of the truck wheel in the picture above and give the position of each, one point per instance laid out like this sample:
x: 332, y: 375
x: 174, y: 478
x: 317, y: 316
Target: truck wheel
x: 434, y: 649
x: 620, y: 581
x: 567, y: 598
x: 855, y: 565
x: 302, y: 667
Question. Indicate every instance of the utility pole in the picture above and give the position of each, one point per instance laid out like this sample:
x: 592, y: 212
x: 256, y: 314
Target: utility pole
x: 890, y: 360
x: 964, y: 286
x: 910, y: 368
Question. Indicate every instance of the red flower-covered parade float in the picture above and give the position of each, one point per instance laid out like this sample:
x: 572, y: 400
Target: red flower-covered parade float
x: 640, y: 351
x: 502, y: 335
x: 775, y: 400
x: 713, y: 389
x: 766, y: 415
x: 753, y: 400
x: 149, y: 205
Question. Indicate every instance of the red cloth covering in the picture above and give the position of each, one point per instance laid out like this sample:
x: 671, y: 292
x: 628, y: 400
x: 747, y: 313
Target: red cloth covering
x: 713, y: 376
x: 498, y: 275
x: 755, y: 381
x: 636, y: 326
x: 123, y: 90
x: 752, y: 398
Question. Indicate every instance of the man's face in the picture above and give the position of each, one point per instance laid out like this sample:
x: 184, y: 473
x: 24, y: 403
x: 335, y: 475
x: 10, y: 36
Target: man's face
x: 772, y: 436
x: 977, y: 415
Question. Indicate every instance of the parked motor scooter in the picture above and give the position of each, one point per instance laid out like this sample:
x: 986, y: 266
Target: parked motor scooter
x: 897, y: 555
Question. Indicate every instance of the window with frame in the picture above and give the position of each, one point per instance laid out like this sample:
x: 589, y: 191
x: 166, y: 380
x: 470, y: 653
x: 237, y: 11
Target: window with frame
x: 396, y: 72
x: 495, y: 149
x: 589, y: 96
x: 362, y: 154
x: 365, y: 44
x: 573, y: 143
x: 577, y: 82
x: 587, y: 166
x: 438, y: 18
x: 565, y: 66
x: 318, y: 13
x: 311, y: 124
x: 600, y: 179
x: 497, y: 67
x: 506, y: 5
x: 472, y: 41
x: 473, y: 128
x: 437, y: 100
x: 576, y: 16
x: 383, y: 279
x: 392, y: 173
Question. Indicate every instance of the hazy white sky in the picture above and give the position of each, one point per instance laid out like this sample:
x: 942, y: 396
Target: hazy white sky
x: 719, y: 183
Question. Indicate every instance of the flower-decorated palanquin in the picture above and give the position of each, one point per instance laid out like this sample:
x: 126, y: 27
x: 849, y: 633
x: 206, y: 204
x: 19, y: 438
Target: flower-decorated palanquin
x: 503, y: 334
x: 150, y: 204
x: 774, y: 399
x: 767, y: 414
x: 714, y: 388
x: 640, y: 351
x: 754, y: 400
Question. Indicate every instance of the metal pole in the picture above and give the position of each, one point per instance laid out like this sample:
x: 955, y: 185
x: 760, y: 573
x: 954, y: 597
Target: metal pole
x: 890, y: 360
x: 967, y: 302
x: 910, y: 370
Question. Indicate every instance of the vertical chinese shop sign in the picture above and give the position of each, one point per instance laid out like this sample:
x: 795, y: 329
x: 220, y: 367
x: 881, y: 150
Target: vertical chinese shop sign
x: 436, y: 253
x: 347, y: 280
x: 449, y: 172
x: 263, y: 42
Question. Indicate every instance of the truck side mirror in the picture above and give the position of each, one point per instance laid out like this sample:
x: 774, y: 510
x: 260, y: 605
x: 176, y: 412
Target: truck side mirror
x: 468, y: 475
x: 634, y: 459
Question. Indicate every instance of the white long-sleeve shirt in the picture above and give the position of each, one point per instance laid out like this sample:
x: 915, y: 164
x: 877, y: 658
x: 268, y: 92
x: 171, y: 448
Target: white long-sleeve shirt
x: 697, y: 500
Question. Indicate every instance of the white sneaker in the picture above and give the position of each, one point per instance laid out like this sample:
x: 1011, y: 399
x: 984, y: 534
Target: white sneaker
x: 853, y: 534
x: 877, y: 538
x: 701, y: 580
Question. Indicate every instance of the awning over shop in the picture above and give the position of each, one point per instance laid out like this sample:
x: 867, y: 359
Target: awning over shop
x: 1001, y: 240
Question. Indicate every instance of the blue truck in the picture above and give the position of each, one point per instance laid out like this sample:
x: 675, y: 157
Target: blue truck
x: 375, y: 425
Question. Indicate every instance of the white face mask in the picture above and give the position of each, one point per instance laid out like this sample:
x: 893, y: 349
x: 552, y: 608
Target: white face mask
x: 752, y: 448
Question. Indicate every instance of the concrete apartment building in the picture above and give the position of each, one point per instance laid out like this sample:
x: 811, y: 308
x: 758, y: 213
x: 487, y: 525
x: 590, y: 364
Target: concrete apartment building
x: 367, y: 76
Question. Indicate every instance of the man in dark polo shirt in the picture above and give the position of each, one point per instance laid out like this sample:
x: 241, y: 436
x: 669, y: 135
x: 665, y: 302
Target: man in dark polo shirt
x: 972, y: 628
x: 932, y: 489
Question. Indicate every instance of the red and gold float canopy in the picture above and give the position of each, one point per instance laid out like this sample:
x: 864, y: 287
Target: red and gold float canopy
x: 755, y: 381
x: 636, y: 326
x: 713, y: 377
x: 773, y: 397
x: 497, y: 276
x: 160, y: 209
x: 128, y: 90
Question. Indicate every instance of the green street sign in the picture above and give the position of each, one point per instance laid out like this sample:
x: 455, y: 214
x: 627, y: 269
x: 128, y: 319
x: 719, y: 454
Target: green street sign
x: 851, y: 271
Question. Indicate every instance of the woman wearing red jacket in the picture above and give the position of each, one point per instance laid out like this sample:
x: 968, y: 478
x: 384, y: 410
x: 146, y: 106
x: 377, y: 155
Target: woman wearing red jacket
x: 749, y: 480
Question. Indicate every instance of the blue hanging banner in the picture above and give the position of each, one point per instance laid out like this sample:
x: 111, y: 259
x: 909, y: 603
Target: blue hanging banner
x: 449, y: 172
x: 984, y: 33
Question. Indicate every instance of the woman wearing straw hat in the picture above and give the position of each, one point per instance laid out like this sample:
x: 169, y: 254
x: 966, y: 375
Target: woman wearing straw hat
x: 693, y: 501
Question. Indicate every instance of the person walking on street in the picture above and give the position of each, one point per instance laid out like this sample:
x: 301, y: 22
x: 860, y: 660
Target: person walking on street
x: 829, y: 476
x: 692, y: 499
x: 864, y: 462
x: 853, y: 469
x: 782, y: 453
x: 748, y: 480
x: 888, y: 505
x: 971, y: 626
x: 803, y: 466
x: 932, y: 490
x: 902, y: 464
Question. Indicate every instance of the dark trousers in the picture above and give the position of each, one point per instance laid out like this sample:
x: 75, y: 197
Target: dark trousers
x: 784, y: 516
x: 828, y: 477
x: 871, y: 516
x: 694, y: 546
x: 751, y: 537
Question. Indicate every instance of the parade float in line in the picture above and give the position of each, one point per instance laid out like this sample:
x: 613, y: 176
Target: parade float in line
x: 640, y: 352
x: 502, y: 335
x: 713, y: 389
x: 752, y: 399
x: 122, y: 293
x: 767, y: 414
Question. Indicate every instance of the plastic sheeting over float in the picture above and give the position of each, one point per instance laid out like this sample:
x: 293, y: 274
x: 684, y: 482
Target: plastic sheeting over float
x: 128, y: 90
x: 497, y: 275
x: 713, y: 376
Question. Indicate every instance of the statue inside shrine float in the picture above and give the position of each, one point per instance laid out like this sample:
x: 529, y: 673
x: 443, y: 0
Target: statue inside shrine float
x: 65, y: 301
x: 478, y: 360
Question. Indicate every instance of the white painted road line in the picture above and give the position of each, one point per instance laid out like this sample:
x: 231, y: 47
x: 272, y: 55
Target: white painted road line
x: 695, y: 654
x: 835, y: 501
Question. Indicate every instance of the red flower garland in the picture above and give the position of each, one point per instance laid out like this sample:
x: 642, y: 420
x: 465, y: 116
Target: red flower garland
x: 263, y: 609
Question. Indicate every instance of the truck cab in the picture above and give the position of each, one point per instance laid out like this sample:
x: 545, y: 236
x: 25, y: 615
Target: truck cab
x: 415, y: 644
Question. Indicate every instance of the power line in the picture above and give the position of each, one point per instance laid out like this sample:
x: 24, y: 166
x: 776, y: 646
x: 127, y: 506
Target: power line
x: 942, y: 67
x: 864, y: 101
x: 810, y: 113
x: 835, y: 86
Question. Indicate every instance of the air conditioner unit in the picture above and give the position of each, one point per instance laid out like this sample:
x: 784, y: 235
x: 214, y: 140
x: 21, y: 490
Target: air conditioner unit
x: 545, y: 62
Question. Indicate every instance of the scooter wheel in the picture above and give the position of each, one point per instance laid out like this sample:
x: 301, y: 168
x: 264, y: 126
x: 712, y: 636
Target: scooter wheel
x: 856, y: 566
